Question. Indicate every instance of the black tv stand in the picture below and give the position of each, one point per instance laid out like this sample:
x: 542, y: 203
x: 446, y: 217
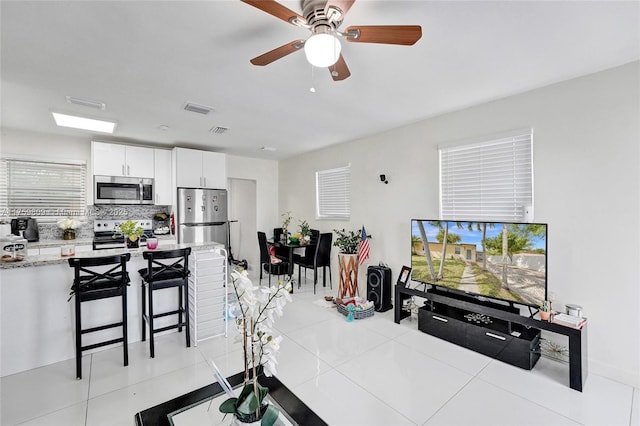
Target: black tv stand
x: 508, y: 336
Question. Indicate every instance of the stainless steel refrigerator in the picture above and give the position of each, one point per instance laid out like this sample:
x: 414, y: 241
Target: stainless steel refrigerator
x: 202, y: 216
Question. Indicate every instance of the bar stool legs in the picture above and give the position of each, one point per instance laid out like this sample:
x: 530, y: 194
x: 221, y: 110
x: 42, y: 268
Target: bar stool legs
x: 92, y: 285
x: 166, y: 269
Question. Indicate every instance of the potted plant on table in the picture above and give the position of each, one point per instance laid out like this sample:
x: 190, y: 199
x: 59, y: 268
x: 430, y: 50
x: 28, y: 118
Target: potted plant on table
x: 305, y: 232
x: 132, y: 233
x: 545, y: 310
x: 347, y: 243
x: 286, y: 221
x: 255, y: 310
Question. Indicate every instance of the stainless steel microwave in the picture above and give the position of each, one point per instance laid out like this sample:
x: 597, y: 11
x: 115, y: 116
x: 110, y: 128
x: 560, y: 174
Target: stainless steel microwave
x: 122, y: 190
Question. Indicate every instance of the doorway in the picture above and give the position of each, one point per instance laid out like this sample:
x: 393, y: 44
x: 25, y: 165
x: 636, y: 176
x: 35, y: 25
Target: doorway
x: 243, y: 228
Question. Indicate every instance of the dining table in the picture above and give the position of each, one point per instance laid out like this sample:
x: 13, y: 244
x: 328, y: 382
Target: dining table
x: 290, y: 246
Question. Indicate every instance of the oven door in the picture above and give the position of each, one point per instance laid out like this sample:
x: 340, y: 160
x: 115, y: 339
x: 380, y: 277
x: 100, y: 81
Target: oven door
x: 122, y: 190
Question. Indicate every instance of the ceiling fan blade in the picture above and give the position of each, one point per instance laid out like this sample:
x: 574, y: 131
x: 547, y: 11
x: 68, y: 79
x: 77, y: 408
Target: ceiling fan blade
x: 386, y: 34
x: 277, y: 53
x: 276, y: 9
x: 339, y: 8
x: 339, y: 70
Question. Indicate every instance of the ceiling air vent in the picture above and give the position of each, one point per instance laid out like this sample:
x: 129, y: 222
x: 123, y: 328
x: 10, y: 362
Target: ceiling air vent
x: 86, y: 102
x: 200, y: 109
x: 219, y: 130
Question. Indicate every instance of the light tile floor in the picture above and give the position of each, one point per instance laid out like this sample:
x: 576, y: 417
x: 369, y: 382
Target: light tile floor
x: 367, y: 372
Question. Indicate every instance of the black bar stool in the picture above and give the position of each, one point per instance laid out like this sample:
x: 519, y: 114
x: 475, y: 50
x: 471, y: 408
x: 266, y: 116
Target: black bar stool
x: 165, y: 269
x: 88, y: 285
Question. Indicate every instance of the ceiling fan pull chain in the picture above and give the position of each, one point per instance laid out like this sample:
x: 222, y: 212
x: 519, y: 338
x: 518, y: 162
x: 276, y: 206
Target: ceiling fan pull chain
x: 312, y: 89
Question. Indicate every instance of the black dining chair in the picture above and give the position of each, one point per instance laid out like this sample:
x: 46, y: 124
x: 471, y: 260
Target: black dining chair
x: 280, y: 268
x: 321, y: 259
x: 165, y: 269
x: 281, y: 253
x: 96, y: 278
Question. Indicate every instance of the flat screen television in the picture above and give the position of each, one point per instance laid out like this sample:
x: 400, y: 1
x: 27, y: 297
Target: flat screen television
x: 473, y: 258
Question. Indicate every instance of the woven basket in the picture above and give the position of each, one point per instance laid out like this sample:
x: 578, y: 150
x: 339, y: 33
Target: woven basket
x: 356, y: 314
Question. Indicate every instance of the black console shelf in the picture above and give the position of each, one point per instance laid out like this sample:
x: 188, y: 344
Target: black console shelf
x: 493, y: 329
x: 504, y: 340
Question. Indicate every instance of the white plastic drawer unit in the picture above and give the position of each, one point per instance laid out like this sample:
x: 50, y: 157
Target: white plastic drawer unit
x: 208, y: 287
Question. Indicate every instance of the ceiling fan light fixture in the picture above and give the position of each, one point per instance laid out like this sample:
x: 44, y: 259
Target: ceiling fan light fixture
x: 322, y: 50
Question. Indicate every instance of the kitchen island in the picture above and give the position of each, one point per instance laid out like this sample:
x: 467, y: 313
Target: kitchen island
x: 37, y: 319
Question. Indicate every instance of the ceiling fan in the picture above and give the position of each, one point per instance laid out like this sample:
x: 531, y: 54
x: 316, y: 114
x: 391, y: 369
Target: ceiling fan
x: 323, y: 18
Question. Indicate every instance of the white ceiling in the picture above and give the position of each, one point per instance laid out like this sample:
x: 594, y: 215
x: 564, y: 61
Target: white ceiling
x: 146, y: 59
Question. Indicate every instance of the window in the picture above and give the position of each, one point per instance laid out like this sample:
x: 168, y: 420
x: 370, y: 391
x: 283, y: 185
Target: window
x: 333, y: 193
x: 490, y: 180
x: 36, y: 187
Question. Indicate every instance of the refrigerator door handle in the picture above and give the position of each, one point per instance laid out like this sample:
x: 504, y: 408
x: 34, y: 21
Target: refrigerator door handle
x: 204, y: 224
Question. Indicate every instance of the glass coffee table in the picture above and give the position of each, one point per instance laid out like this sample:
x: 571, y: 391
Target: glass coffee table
x: 201, y: 406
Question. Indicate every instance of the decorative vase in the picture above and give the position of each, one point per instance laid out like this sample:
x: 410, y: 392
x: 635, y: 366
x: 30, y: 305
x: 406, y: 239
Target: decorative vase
x: 251, y: 419
x: 545, y: 315
x: 69, y: 234
x: 348, y: 268
x: 133, y: 244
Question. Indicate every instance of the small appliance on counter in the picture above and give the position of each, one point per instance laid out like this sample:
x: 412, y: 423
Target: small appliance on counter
x: 25, y: 227
x: 14, y: 248
x: 161, y: 224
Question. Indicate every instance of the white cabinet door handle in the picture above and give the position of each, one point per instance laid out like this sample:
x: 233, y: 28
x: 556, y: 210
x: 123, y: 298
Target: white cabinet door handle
x: 495, y: 336
x: 128, y: 170
x: 123, y: 170
x: 440, y: 318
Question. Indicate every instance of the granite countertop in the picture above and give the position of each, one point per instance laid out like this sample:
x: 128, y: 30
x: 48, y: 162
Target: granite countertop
x: 79, y: 242
x: 53, y: 259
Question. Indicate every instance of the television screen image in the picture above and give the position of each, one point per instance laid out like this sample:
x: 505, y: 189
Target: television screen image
x: 474, y: 262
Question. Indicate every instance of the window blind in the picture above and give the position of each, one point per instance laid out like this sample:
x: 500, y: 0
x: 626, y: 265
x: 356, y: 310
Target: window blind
x: 30, y: 187
x: 490, y: 180
x: 333, y: 193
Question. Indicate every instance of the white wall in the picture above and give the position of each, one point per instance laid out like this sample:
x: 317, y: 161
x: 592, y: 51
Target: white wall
x: 265, y: 174
x: 45, y: 145
x: 587, y: 187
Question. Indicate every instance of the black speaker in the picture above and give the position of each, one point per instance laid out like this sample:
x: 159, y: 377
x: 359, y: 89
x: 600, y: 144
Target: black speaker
x: 379, y: 287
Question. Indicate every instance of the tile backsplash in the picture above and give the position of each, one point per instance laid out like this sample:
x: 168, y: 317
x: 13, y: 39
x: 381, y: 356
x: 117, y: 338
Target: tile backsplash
x: 50, y: 231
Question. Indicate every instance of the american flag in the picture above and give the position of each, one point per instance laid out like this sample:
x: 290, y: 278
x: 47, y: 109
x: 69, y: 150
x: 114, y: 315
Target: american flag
x: 363, y: 250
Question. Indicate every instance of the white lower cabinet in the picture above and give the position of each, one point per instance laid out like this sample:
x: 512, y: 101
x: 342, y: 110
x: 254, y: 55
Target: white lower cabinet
x: 208, y: 294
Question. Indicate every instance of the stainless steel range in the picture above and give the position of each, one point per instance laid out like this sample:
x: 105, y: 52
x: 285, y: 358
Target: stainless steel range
x: 105, y: 235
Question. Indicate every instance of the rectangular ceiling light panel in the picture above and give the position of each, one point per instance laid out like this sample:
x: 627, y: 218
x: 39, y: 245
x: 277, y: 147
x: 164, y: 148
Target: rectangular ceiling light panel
x: 64, y: 120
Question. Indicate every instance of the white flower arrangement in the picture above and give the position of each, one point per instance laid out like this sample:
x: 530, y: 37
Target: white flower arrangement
x: 255, y: 311
x: 68, y: 223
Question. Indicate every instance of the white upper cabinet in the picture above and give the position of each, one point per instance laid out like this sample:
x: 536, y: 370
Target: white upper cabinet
x: 122, y: 160
x: 188, y: 167
x: 214, y: 170
x: 200, y: 169
x: 162, y: 178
